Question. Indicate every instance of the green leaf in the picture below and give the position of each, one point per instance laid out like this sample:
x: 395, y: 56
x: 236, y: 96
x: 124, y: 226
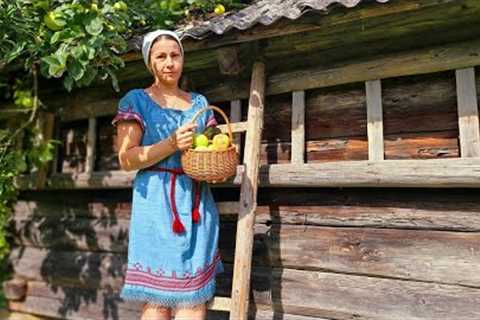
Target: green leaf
x: 76, y: 71
x: 94, y: 26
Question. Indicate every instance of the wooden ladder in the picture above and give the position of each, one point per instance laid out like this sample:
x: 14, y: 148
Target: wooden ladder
x: 237, y: 304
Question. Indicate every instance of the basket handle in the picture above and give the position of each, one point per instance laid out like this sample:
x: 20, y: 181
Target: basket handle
x: 199, y: 112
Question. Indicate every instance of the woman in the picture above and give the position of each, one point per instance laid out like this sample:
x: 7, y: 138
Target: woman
x: 172, y: 253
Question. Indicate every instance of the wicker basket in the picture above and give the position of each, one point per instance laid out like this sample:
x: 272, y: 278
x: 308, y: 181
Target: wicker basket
x: 212, y: 166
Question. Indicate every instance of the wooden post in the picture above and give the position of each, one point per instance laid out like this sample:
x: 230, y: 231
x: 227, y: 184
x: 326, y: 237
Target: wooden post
x: 45, y: 123
x: 91, y: 143
x: 468, y: 124
x: 248, y: 196
x: 236, y: 116
x: 374, y: 120
x: 298, y: 127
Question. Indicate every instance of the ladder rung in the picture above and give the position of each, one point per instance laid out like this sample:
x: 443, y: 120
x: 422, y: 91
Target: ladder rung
x: 236, y: 127
x: 220, y: 304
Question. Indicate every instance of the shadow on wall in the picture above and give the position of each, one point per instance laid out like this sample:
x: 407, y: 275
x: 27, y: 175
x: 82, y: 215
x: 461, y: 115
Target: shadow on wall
x: 74, y: 246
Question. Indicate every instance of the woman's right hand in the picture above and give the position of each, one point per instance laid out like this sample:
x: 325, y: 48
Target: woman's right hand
x: 184, y: 136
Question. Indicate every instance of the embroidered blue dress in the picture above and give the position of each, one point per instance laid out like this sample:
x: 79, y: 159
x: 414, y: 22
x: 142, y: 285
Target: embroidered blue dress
x: 164, y: 267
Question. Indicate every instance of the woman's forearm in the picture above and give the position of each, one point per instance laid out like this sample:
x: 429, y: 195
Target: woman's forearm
x: 140, y: 157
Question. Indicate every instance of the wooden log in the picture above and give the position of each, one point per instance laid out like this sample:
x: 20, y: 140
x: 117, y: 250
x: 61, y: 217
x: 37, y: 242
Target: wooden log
x: 248, y: 196
x: 14, y: 289
x: 422, y: 145
x: 432, y: 173
x: 438, y: 209
x: 298, y: 127
x: 342, y: 296
x: 468, y: 123
x: 374, y: 120
x: 401, y: 254
x: 107, y: 235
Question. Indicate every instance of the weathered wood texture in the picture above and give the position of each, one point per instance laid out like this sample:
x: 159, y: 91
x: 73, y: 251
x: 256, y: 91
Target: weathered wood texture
x: 420, y: 122
x: 248, y: 196
x: 440, y: 209
x: 391, y: 249
x: 324, y: 295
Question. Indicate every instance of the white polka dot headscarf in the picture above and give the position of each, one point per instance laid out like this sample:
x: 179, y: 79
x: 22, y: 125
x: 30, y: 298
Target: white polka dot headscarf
x: 150, y: 37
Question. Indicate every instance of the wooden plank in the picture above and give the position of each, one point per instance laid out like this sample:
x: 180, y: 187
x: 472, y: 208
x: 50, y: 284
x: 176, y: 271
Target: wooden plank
x: 235, y: 117
x: 220, y: 304
x: 374, y: 120
x: 468, y: 124
x: 298, y: 127
x: 248, y: 196
x: 91, y: 145
x: 236, y: 127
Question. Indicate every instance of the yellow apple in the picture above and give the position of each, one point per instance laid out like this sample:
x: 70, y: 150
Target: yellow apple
x: 221, y: 141
x: 200, y: 140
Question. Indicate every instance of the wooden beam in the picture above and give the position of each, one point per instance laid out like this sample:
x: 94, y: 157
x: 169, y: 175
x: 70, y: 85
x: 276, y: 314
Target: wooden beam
x: 405, y: 63
x: 374, y: 120
x: 248, y: 196
x: 298, y: 127
x: 468, y: 123
x: 431, y: 173
x: 91, y: 143
x: 236, y: 117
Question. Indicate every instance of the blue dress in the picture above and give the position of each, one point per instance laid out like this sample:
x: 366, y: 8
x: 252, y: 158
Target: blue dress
x: 166, y: 267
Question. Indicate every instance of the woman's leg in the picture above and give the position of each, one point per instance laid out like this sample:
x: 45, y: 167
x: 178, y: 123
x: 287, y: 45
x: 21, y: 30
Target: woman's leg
x: 156, y: 312
x: 198, y: 312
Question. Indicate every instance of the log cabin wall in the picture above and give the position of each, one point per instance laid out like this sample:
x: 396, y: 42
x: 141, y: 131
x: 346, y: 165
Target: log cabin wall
x: 333, y: 252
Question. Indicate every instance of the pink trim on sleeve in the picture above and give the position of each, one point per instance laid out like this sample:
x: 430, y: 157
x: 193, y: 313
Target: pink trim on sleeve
x: 128, y: 115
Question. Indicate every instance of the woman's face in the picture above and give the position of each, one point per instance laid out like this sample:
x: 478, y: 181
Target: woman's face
x: 166, y: 61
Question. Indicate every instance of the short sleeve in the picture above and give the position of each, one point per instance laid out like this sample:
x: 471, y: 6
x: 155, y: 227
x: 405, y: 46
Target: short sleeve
x: 128, y: 109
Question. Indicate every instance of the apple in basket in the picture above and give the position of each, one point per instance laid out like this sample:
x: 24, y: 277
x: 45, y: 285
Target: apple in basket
x: 212, y: 139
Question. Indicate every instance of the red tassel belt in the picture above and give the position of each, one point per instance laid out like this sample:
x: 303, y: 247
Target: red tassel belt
x: 177, y: 224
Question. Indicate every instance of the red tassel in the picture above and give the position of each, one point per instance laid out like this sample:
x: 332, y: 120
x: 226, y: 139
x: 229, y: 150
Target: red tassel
x: 178, y: 226
x: 195, y: 215
x: 196, y: 203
